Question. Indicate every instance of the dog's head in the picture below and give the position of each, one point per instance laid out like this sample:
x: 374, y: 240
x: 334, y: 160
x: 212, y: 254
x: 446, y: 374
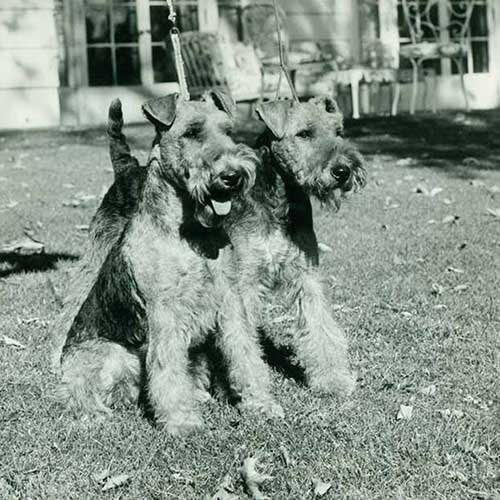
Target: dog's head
x: 197, y: 155
x: 305, y: 140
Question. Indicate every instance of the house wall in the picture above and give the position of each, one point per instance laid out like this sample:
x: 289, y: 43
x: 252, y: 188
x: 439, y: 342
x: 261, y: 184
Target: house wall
x: 324, y: 21
x: 29, y: 78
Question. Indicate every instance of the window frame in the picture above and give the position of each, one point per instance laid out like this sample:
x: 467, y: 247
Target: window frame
x: 76, y: 39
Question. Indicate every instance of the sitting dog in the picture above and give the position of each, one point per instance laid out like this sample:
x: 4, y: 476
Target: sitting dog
x: 276, y: 245
x: 169, y: 275
x: 303, y: 154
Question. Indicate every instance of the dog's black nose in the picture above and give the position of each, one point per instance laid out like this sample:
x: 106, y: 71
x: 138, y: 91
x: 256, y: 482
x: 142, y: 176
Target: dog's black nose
x: 230, y: 180
x: 341, y: 173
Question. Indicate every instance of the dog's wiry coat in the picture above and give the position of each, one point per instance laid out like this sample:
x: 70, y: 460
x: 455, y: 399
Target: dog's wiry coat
x: 303, y: 155
x: 162, y: 287
x: 274, y: 247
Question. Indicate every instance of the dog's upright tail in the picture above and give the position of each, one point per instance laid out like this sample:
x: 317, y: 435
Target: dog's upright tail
x: 119, y: 150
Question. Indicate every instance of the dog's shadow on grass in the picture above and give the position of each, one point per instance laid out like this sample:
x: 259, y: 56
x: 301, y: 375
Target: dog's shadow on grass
x: 281, y: 358
x: 13, y: 263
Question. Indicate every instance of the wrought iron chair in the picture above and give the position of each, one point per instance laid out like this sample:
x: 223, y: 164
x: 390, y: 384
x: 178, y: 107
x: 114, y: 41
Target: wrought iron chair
x: 431, y: 39
x: 258, y: 25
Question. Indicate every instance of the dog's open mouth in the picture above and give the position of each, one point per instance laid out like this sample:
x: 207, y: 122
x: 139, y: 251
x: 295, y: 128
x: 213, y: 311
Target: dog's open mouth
x: 212, y: 213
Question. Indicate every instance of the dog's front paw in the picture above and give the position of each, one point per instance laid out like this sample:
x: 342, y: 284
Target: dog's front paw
x: 341, y: 384
x: 180, y: 424
x: 267, y: 407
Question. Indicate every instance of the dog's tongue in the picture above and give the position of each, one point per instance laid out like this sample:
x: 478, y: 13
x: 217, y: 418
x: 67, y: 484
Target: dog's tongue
x: 221, y: 208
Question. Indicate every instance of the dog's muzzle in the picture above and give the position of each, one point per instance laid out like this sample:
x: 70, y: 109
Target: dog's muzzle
x: 219, y: 200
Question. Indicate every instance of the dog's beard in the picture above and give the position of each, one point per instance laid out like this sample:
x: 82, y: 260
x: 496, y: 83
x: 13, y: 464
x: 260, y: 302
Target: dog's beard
x: 214, y: 202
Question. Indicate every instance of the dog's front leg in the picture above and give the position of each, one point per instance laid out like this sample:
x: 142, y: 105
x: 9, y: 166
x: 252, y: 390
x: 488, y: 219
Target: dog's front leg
x: 171, y: 389
x: 248, y: 374
x: 320, y: 342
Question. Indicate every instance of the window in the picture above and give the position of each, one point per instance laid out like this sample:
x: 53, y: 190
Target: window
x: 112, y: 42
x: 441, y: 21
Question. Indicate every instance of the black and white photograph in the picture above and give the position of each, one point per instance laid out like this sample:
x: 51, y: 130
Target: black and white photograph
x: 250, y: 249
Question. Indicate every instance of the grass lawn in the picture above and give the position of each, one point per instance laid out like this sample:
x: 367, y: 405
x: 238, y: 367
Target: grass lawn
x: 414, y: 277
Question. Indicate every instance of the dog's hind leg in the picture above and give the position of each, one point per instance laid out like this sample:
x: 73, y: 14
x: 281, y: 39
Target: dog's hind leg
x: 98, y: 374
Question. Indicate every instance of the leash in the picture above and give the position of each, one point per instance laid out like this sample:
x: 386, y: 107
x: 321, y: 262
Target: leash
x: 283, y: 67
x: 176, y: 44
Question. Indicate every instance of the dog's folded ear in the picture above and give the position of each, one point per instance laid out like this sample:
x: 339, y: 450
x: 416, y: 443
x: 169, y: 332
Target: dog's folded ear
x: 222, y: 101
x: 161, y: 110
x: 275, y: 116
x: 328, y: 103
x: 330, y: 106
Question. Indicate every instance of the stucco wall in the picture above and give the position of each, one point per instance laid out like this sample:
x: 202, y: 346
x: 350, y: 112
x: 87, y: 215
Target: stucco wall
x: 29, y: 55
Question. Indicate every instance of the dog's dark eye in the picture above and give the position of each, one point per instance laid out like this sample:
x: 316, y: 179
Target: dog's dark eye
x: 307, y: 133
x: 193, y: 132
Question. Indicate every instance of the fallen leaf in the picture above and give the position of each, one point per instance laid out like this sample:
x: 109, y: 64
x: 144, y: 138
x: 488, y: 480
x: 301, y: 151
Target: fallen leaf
x: 6, y: 490
x: 29, y: 321
x: 459, y: 476
x: 390, y: 204
x: 471, y: 162
x: 495, y: 212
x: 285, y: 455
x: 456, y: 270
x: 447, y: 201
x: 405, y: 412
x: 80, y: 200
x: 437, y: 289
x: 9, y: 205
x: 82, y: 227
x: 68, y: 185
x: 440, y: 307
x: 321, y: 488
x: 460, y: 288
x: 323, y: 247
x: 9, y: 342
x: 426, y: 192
x: 476, y: 183
x: 115, y: 482
x: 23, y: 246
x: 72, y: 203
x: 430, y: 390
x: 447, y: 413
x: 450, y: 219
x: 405, y: 162
x: 252, y: 478
x: 225, y: 490
x: 397, y: 260
x: 86, y: 197
x: 101, y: 476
